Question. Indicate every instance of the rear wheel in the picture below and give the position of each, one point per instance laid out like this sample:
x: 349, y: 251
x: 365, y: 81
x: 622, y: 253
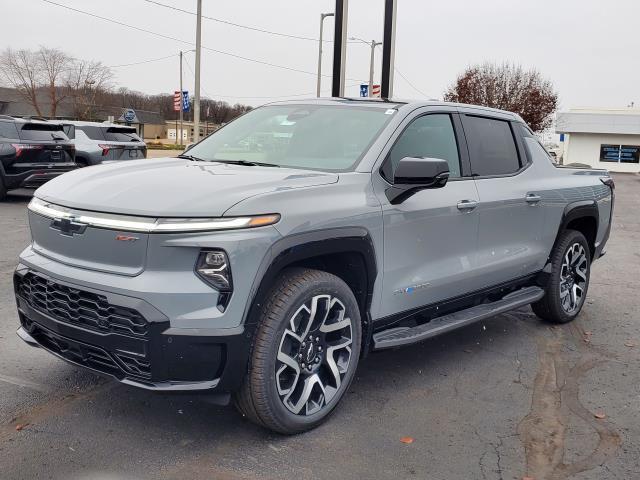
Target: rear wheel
x: 569, y: 281
x: 305, y: 352
x: 81, y: 162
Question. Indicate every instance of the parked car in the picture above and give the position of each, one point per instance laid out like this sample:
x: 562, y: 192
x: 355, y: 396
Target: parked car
x: 266, y: 272
x: 32, y: 152
x: 99, y: 142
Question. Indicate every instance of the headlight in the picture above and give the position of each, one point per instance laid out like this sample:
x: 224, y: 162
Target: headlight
x: 150, y: 225
x: 213, y: 268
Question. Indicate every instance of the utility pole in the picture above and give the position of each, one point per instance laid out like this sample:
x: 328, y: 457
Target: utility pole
x: 322, y: 17
x: 373, y: 44
x: 196, y: 100
x: 181, y: 100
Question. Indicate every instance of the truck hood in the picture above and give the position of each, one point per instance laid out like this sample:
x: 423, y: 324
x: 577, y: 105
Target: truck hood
x: 172, y: 187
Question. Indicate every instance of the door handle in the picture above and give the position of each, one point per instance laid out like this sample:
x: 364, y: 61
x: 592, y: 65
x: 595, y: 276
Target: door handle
x: 467, y: 205
x: 532, y: 198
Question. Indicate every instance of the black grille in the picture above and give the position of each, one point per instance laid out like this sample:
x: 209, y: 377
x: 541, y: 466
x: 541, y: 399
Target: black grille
x: 78, y: 307
x: 81, y: 353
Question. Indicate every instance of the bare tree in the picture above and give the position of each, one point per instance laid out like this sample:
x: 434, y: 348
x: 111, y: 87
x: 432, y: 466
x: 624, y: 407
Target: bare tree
x: 507, y: 87
x: 21, y: 70
x: 87, y: 80
x: 54, y: 65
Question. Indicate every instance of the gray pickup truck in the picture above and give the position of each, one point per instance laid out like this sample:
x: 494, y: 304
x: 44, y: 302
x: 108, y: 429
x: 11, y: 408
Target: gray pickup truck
x: 266, y: 261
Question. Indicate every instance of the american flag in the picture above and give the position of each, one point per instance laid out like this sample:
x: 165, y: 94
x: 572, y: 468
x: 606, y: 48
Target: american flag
x: 177, y: 101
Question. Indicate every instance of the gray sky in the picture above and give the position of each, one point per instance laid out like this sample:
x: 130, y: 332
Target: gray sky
x: 588, y: 48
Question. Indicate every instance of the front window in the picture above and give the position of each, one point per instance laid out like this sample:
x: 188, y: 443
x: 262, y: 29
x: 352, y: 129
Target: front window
x: 317, y: 137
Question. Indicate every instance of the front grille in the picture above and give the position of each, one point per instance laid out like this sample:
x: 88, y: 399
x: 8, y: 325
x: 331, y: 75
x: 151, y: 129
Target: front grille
x: 77, y: 352
x: 79, y: 307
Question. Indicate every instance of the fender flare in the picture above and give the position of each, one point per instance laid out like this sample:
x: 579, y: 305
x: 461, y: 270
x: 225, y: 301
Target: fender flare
x: 298, y: 247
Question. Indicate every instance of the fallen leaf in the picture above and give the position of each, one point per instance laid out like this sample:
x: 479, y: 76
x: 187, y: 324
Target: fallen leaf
x: 20, y: 426
x: 528, y: 478
x: 599, y: 415
x: 630, y: 344
x: 406, y: 440
x: 587, y: 340
x: 588, y: 333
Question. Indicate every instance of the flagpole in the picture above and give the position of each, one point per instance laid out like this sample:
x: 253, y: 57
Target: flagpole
x: 181, y: 99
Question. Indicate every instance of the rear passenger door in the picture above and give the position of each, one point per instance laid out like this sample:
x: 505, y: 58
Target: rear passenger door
x: 511, y: 218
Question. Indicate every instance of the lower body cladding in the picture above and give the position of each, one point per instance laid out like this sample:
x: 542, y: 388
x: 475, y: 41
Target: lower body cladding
x: 125, y: 338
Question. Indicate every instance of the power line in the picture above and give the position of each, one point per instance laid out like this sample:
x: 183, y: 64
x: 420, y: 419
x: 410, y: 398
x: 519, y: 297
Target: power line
x: 168, y: 37
x: 143, y: 61
x: 238, y: 25
x: 411, y: 84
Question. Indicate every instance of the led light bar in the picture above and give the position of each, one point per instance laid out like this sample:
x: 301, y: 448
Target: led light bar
x: 149, y: 225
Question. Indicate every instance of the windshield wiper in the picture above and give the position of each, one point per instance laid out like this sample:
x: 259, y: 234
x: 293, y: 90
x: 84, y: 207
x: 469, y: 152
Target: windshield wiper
x: 191, y: 157
x: 248, y: 163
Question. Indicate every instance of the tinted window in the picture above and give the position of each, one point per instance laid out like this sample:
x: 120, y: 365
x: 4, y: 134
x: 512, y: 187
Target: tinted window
x: 69, y: 130
x: 94, y: 133
x: 491, y: 146
x: 427, y: 136
x: 37, y: 131
x: 8, y: 130
x: 116, y: 134
x: 318, y: 137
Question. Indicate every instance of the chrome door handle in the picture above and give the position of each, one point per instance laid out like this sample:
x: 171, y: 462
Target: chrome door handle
x: 467, y: 205
x: 532, y: 198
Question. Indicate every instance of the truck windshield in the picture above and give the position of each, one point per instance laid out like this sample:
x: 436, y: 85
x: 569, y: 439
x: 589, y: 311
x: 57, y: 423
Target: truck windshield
x: 317, y: 137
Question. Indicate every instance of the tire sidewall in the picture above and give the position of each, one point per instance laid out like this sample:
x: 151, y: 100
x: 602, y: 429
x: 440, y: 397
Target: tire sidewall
x: 338, y: 289
x: 567, y: 241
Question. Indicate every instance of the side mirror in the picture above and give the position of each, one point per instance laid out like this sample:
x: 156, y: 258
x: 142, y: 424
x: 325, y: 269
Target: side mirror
x: 415, y: 174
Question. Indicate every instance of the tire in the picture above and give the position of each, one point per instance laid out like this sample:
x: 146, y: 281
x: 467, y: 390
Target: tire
x: 81, y: 162
x: 568, y: 284
x: 292, y: 384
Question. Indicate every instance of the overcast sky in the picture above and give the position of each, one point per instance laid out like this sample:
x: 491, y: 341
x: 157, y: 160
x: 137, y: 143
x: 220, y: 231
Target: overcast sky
x: 588, y: 48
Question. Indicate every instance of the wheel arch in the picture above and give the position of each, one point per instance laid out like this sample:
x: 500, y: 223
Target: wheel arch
x: 584, y: 217
x: 348, y: 253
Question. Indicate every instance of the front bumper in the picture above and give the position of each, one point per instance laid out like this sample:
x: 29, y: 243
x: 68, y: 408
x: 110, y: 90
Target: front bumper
x: 125, y: 338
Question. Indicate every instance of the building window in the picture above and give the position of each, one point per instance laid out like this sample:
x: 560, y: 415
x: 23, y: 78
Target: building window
x: 620, y: 153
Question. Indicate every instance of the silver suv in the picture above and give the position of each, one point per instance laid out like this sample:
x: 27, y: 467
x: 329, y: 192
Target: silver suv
x: 274, y: 254
x: 104, y: 142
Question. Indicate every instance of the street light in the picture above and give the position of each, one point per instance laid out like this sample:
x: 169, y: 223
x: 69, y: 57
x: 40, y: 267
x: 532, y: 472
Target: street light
x: 373, y: 44
x: 322, y: 17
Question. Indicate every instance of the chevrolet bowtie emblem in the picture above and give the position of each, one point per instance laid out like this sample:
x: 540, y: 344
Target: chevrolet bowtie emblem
x: 68, y: 227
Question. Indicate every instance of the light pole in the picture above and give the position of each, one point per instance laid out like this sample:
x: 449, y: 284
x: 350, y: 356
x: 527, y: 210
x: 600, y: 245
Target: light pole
x: 196, y: 100
x: 181, y: 102
x: 322, y: 17
x: 373, y: 44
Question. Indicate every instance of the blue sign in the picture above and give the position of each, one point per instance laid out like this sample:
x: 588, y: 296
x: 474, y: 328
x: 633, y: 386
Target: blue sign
x: 186, y: 105
x: 364, y: 90
x: 129, y: 115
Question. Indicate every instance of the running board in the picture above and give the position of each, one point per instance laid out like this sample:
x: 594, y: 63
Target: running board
x: 396, y: 337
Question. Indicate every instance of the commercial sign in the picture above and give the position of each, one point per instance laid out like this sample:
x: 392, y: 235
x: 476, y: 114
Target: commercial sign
x: 620, y: 153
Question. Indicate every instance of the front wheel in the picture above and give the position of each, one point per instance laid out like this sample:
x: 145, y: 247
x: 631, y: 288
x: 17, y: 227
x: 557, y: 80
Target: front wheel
x: 566, y: 290
x: 305, y: 352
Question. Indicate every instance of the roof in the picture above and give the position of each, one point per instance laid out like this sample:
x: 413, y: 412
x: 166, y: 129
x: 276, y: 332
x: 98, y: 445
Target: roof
x: 395, y: 103
x: 599, y: 121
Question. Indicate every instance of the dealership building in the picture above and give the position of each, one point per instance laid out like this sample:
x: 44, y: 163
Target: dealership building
x: 601, y: 138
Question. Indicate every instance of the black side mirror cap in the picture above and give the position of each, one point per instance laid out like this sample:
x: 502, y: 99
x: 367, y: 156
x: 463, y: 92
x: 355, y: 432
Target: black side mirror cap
x: 414, y: 174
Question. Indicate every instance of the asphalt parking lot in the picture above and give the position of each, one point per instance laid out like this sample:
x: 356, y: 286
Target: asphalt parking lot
x: 505, y: 399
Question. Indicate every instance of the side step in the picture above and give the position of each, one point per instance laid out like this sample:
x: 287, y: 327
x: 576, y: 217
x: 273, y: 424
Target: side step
x: 396, y: 337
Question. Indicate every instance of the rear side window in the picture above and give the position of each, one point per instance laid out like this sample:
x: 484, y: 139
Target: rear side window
x: 94, y: 133
x: 492, y: 146
x: 427, y: 136
x: 37, y: 131
x: 69, y: 130
x: 8, y: 130
x: 115, y: 134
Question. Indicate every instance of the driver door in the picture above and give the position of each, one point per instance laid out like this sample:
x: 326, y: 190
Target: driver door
x: 430, y: 239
